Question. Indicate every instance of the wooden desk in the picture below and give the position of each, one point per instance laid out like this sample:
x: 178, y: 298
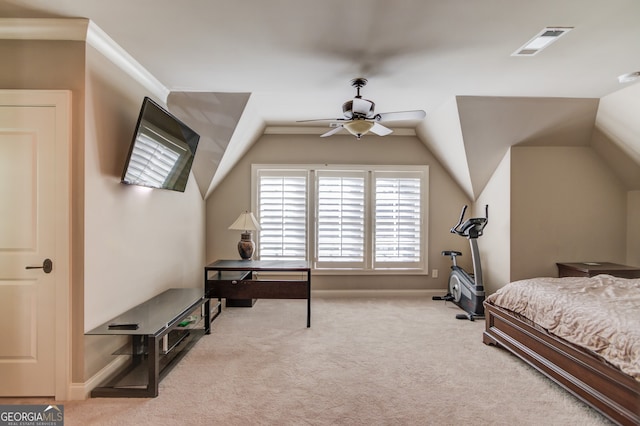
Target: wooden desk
x: 591, y: 269
x: 234, y: 279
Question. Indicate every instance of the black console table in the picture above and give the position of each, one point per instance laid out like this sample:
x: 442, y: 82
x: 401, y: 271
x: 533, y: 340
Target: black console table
x: 155, y: 329
x: 235, y: 279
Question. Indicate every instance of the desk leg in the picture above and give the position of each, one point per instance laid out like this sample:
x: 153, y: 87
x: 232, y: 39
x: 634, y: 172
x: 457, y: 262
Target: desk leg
x: 308, y: 298
x: 207, y: 316
x: 207, y: 312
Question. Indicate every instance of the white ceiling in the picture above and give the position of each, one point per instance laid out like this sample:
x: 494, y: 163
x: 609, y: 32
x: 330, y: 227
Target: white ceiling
x: 297, y: 57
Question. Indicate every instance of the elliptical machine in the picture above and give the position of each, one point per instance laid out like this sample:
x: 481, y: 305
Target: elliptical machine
x: 466, y: 290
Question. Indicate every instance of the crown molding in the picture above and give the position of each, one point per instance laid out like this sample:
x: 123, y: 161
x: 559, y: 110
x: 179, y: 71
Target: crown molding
x: 43, y: 29
x: 81, y: 29
x: 104, y: 44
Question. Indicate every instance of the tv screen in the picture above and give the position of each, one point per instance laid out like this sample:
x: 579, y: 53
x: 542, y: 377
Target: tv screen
x: 162, y: 150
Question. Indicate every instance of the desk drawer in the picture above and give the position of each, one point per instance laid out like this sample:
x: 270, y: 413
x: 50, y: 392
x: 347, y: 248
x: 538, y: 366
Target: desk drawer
x: 257, y: 289
x: 228, y: 275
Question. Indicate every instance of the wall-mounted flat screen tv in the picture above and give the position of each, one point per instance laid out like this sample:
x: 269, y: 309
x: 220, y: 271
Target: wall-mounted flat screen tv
x: 162, y: 150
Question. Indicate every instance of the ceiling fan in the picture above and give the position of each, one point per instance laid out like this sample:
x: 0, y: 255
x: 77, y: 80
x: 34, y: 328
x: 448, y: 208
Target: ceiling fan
x: 360, y: 118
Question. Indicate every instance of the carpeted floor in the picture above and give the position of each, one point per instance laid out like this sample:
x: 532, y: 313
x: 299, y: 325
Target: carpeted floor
x: 382, y: 361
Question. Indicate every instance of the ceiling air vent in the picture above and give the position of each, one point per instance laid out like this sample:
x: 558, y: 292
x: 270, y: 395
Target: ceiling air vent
x: 541, y: 40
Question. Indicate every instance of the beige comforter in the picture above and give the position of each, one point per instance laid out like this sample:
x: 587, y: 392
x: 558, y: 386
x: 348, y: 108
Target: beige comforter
x: 601, y: 314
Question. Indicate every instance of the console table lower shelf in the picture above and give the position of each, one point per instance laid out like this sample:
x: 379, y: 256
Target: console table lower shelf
x: 162, y: 330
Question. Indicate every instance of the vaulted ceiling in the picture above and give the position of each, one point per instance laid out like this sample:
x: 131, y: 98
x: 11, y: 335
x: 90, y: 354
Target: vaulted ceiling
x: 237, y: 68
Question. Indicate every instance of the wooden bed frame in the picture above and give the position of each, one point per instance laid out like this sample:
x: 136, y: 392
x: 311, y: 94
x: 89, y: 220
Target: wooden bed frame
x: 592, y: 380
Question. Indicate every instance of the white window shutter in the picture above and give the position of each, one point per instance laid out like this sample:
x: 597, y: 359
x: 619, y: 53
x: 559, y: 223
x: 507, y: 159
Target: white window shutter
x: 397, y: 219
x: 282, y: 213
x: 340, y: 219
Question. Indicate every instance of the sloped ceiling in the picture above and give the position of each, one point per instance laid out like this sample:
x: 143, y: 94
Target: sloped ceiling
x: 489, y: 126
x: 214, y: 116
x: 616, y: 135
x: 471, y: 135
x: 618, y: 119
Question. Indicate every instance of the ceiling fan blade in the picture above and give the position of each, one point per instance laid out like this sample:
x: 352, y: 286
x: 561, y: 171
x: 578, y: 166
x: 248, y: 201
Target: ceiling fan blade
x: 331, y: 132
x: 380, y: 130
x: 320, y: 119
x: 401, y: 115
x: 362, y: 107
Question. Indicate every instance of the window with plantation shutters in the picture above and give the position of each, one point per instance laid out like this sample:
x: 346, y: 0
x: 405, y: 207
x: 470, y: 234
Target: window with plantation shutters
x: 340, y: 219
x: 343, y: 218
x: 282, y: 213
x: 397, y: 219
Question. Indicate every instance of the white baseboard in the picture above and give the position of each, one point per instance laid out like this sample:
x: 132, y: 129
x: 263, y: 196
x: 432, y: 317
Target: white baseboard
x: 80, y: 391
x: 376, y: 293
x: 77, y: 392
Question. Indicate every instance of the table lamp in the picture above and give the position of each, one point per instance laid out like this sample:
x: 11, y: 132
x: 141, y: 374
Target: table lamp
x: 247, y: 223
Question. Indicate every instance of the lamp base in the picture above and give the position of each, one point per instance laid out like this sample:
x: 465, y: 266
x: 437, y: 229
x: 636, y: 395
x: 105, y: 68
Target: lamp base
x: 246, y: 246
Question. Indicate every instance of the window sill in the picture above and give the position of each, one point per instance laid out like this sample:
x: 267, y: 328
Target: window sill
x: 354, y: 272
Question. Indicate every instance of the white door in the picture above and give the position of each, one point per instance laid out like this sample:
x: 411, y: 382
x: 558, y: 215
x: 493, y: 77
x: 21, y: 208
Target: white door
x: 27, y: 238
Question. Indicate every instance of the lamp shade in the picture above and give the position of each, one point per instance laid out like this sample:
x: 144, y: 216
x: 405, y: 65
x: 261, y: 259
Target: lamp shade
x: 245, y: 222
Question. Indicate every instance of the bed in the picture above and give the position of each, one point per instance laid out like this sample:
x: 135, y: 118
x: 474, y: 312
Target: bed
x: 583, y: 333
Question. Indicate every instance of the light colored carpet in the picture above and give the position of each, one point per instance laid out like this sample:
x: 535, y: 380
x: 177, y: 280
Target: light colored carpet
x: 382, y: 361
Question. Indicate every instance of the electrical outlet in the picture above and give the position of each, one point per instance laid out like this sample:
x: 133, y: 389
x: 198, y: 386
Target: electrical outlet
x: 434, y: 273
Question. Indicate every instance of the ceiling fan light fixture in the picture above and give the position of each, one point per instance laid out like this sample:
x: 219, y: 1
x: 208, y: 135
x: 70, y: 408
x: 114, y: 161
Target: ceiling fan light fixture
x: 629, y: 77
x: 360, y: 118
x: 358, y: 128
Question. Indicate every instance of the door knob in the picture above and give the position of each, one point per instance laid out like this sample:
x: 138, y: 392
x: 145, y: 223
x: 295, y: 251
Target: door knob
x: 47, y: 266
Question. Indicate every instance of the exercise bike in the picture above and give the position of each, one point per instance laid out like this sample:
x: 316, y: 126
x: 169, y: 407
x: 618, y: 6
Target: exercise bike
x: 466, y: 290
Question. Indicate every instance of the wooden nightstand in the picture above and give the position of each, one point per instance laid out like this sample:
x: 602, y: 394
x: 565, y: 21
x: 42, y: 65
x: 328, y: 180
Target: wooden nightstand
x: 590, y: 269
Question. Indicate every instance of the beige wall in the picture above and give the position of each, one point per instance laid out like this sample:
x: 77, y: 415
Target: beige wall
x: 232, y: 196
x: 138, y: 242
x: 127, y: 244
x: 633, y: 228
x: 495, y: 244
x: 567, y: 206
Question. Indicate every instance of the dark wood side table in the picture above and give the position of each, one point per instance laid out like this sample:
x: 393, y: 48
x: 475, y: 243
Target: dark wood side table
x: 591, y: 269
x: 234, y: 279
